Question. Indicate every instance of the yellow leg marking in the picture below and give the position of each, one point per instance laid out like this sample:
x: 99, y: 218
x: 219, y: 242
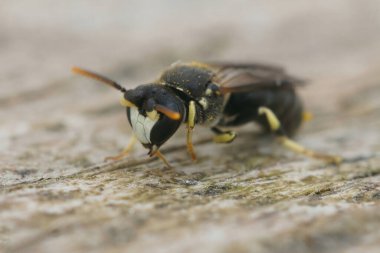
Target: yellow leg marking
x: 273, y: 121
x: 190, y: 127
x: 125, y: 151
x: 224, y: 137
x: 162, y: 158
x: 307, y: 116
x: 295, y: 147
x: 191, y: 119
x: 275, y: 125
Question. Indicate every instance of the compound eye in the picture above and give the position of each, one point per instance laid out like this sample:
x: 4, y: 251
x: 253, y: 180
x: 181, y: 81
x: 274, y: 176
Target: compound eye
x: 163, y: 129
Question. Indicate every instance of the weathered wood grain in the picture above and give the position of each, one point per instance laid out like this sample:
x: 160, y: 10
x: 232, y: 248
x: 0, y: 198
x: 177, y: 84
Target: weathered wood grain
x: 57, y: 195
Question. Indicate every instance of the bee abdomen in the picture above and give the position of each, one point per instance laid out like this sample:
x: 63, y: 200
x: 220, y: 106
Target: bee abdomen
x: 243, y: 107
x: 289, y: 109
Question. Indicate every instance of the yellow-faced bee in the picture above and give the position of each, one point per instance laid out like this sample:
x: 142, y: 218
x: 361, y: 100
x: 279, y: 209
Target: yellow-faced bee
x: 214, y: 95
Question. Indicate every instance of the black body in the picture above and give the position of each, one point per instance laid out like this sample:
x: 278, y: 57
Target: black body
x: 215, y: 95
x: 191, y: 82
x: 243, y: 108
x: 255, y: 86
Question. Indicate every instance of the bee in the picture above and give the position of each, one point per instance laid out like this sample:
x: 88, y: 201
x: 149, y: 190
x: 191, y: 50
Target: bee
x: 217, y: 95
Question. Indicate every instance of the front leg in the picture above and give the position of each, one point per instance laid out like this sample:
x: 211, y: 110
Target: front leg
x: 190, y: 127
x: 125, y: 151
x: 275, y: 126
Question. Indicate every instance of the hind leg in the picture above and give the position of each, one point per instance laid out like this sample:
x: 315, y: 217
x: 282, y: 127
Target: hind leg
x: 275, y: 127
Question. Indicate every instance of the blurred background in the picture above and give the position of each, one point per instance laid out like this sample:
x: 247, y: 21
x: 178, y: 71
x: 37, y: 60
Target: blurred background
x: 53, y: 123
x: 40, y: 40
x: 328, y: 43
x: 335, y: 45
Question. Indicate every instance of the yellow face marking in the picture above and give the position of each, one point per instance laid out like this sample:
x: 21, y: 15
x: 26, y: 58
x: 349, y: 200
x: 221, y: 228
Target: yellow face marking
x: 153, y: 115
x: 126, y: 103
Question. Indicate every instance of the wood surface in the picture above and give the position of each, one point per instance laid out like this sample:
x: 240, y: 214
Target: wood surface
x: 57, y: 195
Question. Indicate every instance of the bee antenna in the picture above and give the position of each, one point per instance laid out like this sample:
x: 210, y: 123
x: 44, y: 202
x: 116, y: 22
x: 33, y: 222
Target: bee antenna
x: 98, y: 77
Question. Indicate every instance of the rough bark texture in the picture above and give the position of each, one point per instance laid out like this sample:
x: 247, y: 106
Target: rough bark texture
x: 249, y: 196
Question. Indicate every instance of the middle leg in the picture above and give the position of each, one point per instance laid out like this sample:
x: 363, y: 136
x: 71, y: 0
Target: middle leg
x: 223, y: 136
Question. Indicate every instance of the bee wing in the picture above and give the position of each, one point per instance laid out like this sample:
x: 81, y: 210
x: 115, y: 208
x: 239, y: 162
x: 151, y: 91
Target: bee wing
x: 250, y: 77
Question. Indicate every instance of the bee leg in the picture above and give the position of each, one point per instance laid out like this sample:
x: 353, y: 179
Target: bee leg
x: 190, y: 127
x: 162, y: 158
x: 307, y: 116
x: 125, y: 151
x: 276, y: 127
x: 223, y: 136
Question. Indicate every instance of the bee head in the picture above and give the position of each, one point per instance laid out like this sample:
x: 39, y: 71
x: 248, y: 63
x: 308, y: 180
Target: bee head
x: 153, y: 110
x: 154, y: 113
